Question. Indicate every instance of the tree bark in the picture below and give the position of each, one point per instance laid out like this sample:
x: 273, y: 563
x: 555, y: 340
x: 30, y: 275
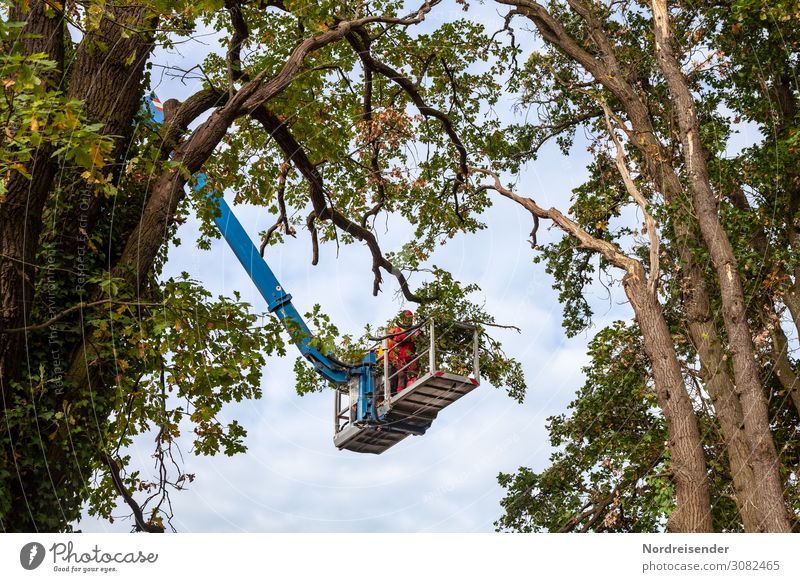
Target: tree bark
x: 718, y: 383
x: 770, y: 319
x: 21, y: 211
x: 783, y: 367
x: 693, y: 513
x: 20, y: 230
x: 107, y: 78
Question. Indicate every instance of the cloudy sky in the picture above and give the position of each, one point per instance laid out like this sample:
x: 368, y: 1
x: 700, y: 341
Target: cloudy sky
x: 292, y: 478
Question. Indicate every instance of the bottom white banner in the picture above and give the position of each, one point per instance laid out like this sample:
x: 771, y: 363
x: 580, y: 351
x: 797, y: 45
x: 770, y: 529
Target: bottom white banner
x: 390, y: 557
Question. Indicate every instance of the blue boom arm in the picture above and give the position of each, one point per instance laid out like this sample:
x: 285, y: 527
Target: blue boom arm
x: 278, y: 300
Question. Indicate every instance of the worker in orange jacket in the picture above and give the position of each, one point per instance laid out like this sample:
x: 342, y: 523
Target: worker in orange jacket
x: 401, y: 352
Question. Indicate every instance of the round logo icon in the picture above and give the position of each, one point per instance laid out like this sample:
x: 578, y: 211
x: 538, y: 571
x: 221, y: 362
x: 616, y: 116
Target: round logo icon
x: 31, y: 555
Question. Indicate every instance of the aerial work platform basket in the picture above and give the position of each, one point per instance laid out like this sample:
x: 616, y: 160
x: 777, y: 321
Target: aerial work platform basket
x: 434, y: 379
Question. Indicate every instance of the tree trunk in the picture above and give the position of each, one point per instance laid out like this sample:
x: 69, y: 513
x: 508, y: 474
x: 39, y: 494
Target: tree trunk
x: 21, y: 211
x: 770, y: 320
x: 693, y: 500
x: 748, y: 385
x: 717, y: 381
x: 604, y: 67
x: 106, y: 74
x: 108, y: 81
x: 693, y: 513
x: 606, y: 70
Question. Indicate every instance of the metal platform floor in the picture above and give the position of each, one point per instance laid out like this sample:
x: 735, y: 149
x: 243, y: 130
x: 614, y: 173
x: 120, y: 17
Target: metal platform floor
x: 411, y: 411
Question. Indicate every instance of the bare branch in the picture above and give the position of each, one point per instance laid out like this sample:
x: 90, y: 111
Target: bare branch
x: 283, y: 220
x: 114, y: 470
x: 633, y: 190
x: 610, y: 251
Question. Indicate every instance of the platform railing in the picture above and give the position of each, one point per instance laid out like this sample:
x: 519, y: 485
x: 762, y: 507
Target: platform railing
x: 461, y: 362
x: 433, y: 359
x: 343, y: 413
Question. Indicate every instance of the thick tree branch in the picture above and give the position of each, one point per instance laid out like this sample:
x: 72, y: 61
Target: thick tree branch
x: 611, y: 252
x: 554, y: 33
x: 179, y: 115
x: 597, y: 34
x: 144, y: 242
x: 240, y: 34
x: 311, y: 44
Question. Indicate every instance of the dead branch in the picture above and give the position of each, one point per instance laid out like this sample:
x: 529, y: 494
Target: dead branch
x: 138, y: 515
x: 283, y: 219
x: 312, y: 228
x: 633, y: 190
